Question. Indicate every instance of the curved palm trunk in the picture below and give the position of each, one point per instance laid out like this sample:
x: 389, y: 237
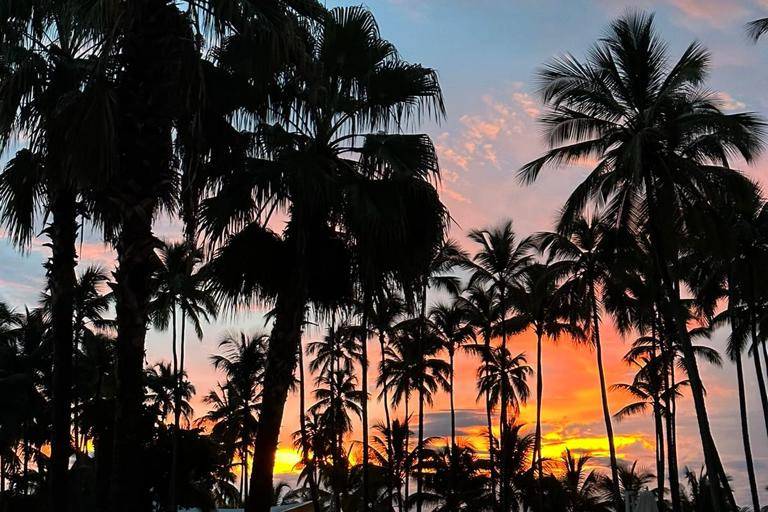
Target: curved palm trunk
x: 672, y: 311
x: 284, y: 343
x: 604, y: 398
x: 62, y: 282
x: 758, y: 368
x: 745, y: 435
x: 504, y: 486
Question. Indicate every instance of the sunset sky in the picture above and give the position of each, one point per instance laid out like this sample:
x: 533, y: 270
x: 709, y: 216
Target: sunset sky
x: 486, y: 53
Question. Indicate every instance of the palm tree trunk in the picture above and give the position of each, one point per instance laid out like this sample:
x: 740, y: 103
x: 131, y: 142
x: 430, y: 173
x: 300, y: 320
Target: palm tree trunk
x: 537, y: 461
x: 133, y: 289
x: 364, y: 384
x: 453, y: 409
x: 304, y: 441
x: 387, y: 419
x: 503, y: 489
x: 407, y: 453
x: 658, y: 426
x: 604, y: 397
x: 758, y: 368
x: 674, y: 478
x: 745, y: 435
x: 61, y: 283
x: 419, y: 451
x: 176, y: 412
x: 675, y: 322
x: 284, y: 343
x: 489, y: 421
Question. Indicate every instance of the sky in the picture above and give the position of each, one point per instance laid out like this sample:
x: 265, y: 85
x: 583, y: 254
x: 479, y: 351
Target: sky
x: 486, y: 53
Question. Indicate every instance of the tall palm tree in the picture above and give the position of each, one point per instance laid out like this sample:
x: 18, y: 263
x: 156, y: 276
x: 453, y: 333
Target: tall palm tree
x: 481, y: 306
x: 329, y: 168
x: 242, y: 359
x: 539, y: 307
x: 412, y: 365
x: 582, y: 489
x: 46, y: 60
x: 498, y: 263
x: 449, y: 323
x: 456, y: 480
x: 658, y: 138
x: 590, y: 250
x: 181, y: 289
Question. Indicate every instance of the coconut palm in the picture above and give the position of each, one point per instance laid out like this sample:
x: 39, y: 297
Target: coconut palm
x: 455, y: 480
x: 501, y: 371
x: 47, y: 57
x: 181, y: 289
x: 582, y: 489
x: 539, y: 307
x: 481, y: 307
x: 498, y: 264
x: 590, y: 249
x: 162, y: 384
x: 449, y: 323
x: 413, y: 365
x: 329, y: 168
x: 658, y: 138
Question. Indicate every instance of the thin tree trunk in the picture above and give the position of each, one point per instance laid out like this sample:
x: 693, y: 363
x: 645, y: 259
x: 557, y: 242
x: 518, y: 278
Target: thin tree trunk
x: 659, y: 427
x: 674, y: 481
x: 453, y: 409
x: 491, y: 440
x: 304, y: 441
x: 364, y: 383
x: 503, y: 486
x: 407, y: 454
x: 758, y: 368
x: 537, y: 437
x: 176, y: 411
x: 387, y: 419
x: 61, y: 283
x: 419, y: 452
x: 278, y: 376
x: 674, y: 319
x: 745, y: 435
x: 604, y: 398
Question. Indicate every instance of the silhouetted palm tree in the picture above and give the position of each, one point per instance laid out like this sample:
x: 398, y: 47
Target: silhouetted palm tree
x: 658, y: 138
x: 449, y: 324
x: 356, y: 86
x: 589, y: 250
x: 498, y: 264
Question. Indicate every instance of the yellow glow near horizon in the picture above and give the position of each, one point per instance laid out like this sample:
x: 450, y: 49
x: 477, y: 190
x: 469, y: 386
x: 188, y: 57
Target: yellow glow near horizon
x: 286, y: 460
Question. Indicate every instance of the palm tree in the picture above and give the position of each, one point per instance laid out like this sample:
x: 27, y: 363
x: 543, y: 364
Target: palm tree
x: 47, y: 58
x: 481, y: 306
x: 449, y: 323
x: 589, y: 249
x: 658, y: 138
x: 412, y: 365
x: 498, y: 264
x: 541, y: 308
x: 455, y: 480
x: 582, y: 489
x: 163, y: 388
x: 517, y: 455
x: 332, y: 112
x: 238, y: 404
x: 181, y: 288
